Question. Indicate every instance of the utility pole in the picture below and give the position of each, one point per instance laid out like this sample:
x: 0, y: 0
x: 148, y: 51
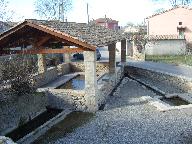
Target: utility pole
x: 88, y: 12
x: 61, y: 11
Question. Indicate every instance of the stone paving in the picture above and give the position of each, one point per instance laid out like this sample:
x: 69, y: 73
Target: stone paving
x: 127, y: 119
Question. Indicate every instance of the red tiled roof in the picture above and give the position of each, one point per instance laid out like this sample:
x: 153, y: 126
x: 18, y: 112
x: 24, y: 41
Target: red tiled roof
x: 103, y: 20
x: 164, y: 37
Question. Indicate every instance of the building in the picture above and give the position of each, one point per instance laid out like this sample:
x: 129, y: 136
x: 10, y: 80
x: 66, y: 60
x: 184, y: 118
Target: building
x: 170, y: 32
x: 108, y: 23
x: 175, y: 21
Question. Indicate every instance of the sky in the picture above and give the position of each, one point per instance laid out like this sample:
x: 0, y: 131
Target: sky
x: 124, y: 11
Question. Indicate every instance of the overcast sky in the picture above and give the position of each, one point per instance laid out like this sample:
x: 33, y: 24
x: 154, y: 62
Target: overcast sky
x: 122, y: 10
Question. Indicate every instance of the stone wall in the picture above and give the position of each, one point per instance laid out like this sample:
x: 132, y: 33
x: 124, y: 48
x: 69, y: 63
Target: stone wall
x: 166, y: 47
x: 101, y: 68
x: 66, y: 99
x: 44, y: 78
x: 183, y: 83
x: 76, y: 100
x: 64, y: 68
x: 107, y: 83
x: 18, y: 110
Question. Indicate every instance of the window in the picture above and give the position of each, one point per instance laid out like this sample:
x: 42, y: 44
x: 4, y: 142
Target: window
x: 180, y: 23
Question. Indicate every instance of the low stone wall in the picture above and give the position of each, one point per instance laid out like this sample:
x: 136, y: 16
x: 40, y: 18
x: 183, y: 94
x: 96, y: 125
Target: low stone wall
x: 64, y: 68
x: 107, y: 83
x: 66, y: 99
x: 166, y: 47
x: 44, y: 78
x: 19, y: 110
x: 101, y: 68
x: 76, y: 100
x: 105, y: 87
x: 183, y: 83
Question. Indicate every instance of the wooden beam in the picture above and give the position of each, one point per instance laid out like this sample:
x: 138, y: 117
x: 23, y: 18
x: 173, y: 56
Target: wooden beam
x: 42, y: 51
x: 42, y: 41
x: 12, y: 30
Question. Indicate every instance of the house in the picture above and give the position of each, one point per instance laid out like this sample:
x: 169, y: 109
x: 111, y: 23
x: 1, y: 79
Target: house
x: 171, y: 30
x: 108, y: 23
x: 175, y: 21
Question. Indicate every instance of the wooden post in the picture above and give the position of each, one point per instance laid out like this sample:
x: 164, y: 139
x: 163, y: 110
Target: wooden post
x: 67, y: 56
x: 112, y: 58
x: 123, y: 50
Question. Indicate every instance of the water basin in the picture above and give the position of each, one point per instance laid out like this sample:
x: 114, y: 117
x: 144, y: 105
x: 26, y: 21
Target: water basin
x: 77, y: 83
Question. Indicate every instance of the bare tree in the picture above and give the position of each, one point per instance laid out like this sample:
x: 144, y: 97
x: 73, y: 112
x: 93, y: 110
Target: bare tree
x: 5, y: 13
x: 180, y: 2
x: 53, y: 9
x: 176, y: 2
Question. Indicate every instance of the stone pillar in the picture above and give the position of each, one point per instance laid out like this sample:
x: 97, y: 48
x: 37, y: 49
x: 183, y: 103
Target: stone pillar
x: 42, y: 68
x: 90, y: 81
x: 135, y: 52
x: 112, y: 58
x: 123, y: 50
x: 67, y: 56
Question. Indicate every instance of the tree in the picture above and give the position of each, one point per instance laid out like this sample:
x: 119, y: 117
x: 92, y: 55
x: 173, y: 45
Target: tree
x: 17, y: 74
x: 180, y: 2
x: 52, y: 9
x: 177, y: 2
x: 5, y: 13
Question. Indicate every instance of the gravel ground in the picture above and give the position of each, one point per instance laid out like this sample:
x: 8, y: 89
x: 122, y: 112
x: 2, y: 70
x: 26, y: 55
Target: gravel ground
x: 129, y: 120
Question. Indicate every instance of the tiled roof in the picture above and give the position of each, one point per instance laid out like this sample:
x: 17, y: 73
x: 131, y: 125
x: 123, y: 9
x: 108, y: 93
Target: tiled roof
x: 6, y: 25
x: 185, y: 7
x: 164, y: 37
x: 91, y: 33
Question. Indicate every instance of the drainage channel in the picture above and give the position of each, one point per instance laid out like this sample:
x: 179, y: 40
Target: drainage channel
x: 30, y: 126
x: 68, y: 125
x: 102, y: 106
x: 146, y: 85
x: 174, y: 101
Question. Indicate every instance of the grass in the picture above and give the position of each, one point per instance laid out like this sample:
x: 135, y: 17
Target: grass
x: 176, y: 59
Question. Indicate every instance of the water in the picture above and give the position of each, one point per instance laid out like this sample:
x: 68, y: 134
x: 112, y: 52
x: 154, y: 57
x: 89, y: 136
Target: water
x: 30, y: 126
x: 175, y: 101
x: 68, y: 125
x: 77, y: 83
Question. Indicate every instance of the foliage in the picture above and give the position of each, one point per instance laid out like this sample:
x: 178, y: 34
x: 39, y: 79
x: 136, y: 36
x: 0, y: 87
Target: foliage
x: 52, y: 9
x: 17, y: 74
x: 171, y: 59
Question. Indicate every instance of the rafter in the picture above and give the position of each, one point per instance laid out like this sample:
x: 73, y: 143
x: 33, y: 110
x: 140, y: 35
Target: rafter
x: 42, y: 41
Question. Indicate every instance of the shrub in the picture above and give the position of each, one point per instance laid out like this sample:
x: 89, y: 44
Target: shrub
x: 17, y: 74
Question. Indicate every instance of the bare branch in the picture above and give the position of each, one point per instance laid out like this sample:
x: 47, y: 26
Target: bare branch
x: 51, y: 9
